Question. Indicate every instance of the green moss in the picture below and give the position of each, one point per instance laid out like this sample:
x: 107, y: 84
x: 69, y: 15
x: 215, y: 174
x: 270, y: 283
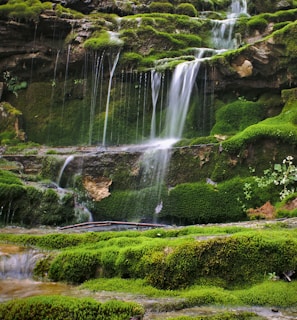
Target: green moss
x: 186, y: 9
x: 257, y: 23
x: 24, y: 10
x: 192, y: 203
x: 102, y: 41
x: 236, y: 260
x: 75, y: 267
x: 131, y: 60
x: 286, y: 37
x: 67, y: 12
x: 162, y: 7
x: 281, y: 127
x: 128, y: 205
x: 236, y: 116
x: 63, y: 307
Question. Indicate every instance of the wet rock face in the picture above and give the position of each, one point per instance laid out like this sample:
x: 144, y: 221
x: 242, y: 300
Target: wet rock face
x: 258, y: 66
x: 25, y: 45
x: 84, y: 6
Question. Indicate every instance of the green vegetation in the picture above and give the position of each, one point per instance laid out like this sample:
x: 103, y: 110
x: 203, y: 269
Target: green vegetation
x: 26, y: 205
x: 23, y: 10
x: 29, y: 10
x: 190, y: 266
x: 170, y: 259
x: 281, y: 127
x: 61, y: 308
x: 187, y: 9
x: 102, y: 41
x: 162, y: 7
x: 236, y: 116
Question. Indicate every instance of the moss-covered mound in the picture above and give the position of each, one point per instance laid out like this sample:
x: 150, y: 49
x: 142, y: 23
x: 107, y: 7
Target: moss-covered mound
x: 62, y: 308
x: 28, y: 205
x: 169, y: 259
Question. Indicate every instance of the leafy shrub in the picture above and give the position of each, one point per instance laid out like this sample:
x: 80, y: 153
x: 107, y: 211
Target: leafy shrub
x: 67, y: 308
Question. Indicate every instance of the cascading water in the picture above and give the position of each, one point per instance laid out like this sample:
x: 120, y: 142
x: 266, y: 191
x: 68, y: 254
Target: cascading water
x: 18, y: 265
x: 223, y: 29
x: 181, y: 87
x: 156, y: 159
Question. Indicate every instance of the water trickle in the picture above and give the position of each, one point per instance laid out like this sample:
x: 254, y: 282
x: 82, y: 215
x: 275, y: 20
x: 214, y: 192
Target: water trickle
x: 33, y: 51
x: 82, y: 212
x: 108, y: 97
x: 97, y: 72
x: 155, y: 87
x: 65, y: 87
x: 53, y: 84
x: 145, y: 94
x: 139, y: 86
x: 67, y: 161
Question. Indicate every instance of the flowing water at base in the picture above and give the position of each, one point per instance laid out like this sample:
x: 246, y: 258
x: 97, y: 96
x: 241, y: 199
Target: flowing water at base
x: 20, y: 287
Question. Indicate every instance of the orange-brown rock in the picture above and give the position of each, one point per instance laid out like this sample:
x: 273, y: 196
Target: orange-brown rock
x: 267, y: 211
x: 97, y: 188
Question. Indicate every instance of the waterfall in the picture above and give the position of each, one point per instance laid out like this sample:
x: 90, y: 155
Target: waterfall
x: 18, y: 265
x: 108, y: 97
x: 223, y: 29
x: 67, y: 161
x: 156, y: 158
x: 182, y: 83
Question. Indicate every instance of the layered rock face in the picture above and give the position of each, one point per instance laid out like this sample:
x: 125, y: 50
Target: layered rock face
x: 60, y: 62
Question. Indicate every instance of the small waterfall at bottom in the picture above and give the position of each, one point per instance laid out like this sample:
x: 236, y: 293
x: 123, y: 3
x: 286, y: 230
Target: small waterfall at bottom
x: 156, y: 158
x: 18, y: 265
x: 155, y: 161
